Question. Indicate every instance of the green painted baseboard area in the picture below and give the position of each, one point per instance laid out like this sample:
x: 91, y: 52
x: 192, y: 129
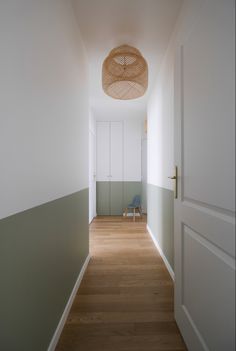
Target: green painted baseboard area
x: 42, y: 251
x: 160, y: 209
x: 113, y: 197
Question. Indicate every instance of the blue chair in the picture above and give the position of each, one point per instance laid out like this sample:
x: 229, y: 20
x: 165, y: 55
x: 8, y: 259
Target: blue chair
x: 136, y: 204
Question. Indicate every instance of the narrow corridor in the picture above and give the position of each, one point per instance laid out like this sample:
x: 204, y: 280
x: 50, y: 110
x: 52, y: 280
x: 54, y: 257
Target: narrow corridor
x: 125, y: 300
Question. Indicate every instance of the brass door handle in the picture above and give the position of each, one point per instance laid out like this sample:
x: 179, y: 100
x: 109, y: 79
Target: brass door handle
x: 174, y: 177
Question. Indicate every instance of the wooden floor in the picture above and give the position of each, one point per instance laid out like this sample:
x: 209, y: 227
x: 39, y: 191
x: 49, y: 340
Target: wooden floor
x: 125, y: 301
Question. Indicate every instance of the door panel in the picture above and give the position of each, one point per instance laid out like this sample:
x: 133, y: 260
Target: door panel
x: 92, y: 177
x: 208, y: 118
x: 103, y: 151
x: 205, y: 154
x: 116, y: 156
x: 110, y: 168
x: 202, y: 291
x: 116, y: 198
x: 103, y: 198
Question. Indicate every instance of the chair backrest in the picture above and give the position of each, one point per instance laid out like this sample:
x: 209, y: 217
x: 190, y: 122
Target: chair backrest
x: 136, y: 201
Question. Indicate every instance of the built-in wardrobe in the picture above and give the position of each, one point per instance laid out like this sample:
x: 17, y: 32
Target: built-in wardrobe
x: 118, y: 165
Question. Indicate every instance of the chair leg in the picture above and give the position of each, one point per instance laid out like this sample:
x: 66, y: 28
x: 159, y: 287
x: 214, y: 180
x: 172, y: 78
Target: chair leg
x: 134, y: 215
x: 126, y: 211
x: 140, y: 211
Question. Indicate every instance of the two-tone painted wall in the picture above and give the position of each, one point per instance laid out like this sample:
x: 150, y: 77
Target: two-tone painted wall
x: 160, y: 111
x: 44, y: 168
x: 160, y: 195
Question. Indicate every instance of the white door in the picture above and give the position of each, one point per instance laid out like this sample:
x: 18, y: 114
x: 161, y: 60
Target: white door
x: 92, y: 176
x: 205, y: 207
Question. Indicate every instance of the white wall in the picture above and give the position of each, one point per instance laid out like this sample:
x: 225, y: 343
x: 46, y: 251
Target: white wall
x: 160, y: 108
x: 43, y: 104
x: 160, y: 125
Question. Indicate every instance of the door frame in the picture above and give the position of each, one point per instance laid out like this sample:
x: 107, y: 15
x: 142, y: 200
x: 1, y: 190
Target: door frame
x: 92, y: 176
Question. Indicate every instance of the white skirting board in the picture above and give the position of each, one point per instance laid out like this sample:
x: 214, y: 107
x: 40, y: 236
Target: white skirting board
x: 170, y: 270
x: 64, y: 316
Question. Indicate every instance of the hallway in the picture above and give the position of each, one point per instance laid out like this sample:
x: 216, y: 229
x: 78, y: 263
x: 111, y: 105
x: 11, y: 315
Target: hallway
x: 125, y: 300
x: 108, y: 105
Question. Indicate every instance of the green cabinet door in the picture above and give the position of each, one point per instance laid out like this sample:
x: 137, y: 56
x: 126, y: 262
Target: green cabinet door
x: 103, y: 198
x: 117, y: 190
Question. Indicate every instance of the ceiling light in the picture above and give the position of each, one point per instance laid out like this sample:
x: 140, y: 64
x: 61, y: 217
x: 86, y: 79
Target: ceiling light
x: 125, y: 73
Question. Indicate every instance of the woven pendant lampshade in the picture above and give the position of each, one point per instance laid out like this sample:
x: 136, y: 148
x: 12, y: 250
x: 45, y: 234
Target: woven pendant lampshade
x: 125, y: 73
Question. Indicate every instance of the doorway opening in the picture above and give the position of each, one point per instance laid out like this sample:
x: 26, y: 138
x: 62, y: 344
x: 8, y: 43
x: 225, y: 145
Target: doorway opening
x: 117, y: 166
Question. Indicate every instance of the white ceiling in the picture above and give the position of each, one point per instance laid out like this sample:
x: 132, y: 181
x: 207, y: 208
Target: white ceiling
x: 105, y: 24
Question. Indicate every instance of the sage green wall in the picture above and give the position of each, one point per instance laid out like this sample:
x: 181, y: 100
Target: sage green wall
x: 160, y: 209
x: 42, y: 251
x: 113, y: 197
x: 144, y: 197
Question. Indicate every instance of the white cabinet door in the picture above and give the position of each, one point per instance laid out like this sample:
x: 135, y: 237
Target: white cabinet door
x: 110, y: 151
x: 103, y: 151
x: 132, y: 150
x: 205, y: 156
x: 116, y: 149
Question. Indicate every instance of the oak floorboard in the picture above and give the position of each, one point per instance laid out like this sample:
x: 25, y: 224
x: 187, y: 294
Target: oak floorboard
x: 125, y: 300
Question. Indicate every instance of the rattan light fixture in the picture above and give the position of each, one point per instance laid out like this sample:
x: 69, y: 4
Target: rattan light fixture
x: 125, y: 73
